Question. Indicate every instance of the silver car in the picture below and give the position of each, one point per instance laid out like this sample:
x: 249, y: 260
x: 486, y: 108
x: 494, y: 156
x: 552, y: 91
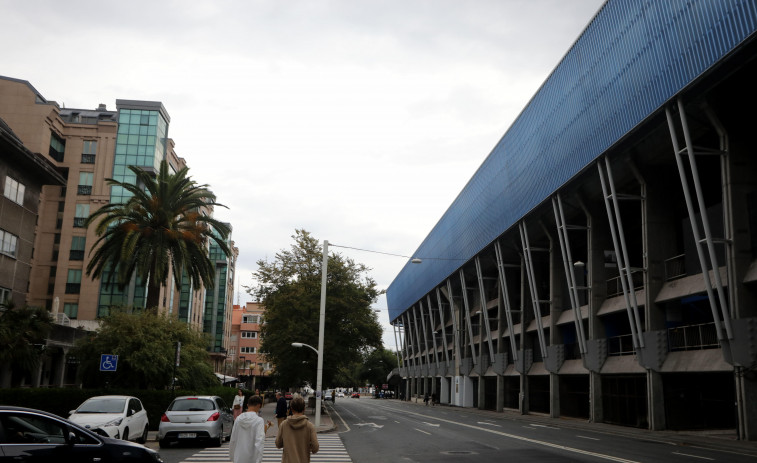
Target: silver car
x: 196, y: 418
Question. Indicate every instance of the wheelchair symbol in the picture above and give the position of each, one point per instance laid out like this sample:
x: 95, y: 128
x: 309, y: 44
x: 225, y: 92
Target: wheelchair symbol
x: 108, y: 362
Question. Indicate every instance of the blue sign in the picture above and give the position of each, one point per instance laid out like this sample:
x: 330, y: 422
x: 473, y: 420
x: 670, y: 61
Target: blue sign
x: 108, y: 362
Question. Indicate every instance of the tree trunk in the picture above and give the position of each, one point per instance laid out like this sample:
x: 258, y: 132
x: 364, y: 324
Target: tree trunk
x: 153, y: 297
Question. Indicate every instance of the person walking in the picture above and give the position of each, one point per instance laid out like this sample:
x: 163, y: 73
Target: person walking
x: 248, y: 434
x: 238, y: 403
x: 297, y: 436
x: 425, y: 399
x: 281, y: 408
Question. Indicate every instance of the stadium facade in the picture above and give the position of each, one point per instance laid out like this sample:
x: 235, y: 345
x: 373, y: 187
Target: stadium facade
x: 602, y: 262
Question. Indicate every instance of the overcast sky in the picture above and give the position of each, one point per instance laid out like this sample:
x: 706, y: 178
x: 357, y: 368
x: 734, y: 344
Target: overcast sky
x: 359, y: 121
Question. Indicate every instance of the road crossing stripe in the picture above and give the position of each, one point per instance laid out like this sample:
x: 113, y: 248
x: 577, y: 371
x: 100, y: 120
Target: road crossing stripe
x: 331, y: 450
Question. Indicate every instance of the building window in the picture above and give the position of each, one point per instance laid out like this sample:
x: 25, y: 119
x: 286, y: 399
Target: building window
x: 5, y: 296
x: 88, y: 152
x: 250, y: 334
x: 250, y: 318
x: 247, y: 350
x: 73, y: 283
x: 8, y: 243
x: 71, y: 310
x: 57, y: 147
x: 77, y: 248
x: 85, y: 183
x: 14, y: 190
x: 82, y: 212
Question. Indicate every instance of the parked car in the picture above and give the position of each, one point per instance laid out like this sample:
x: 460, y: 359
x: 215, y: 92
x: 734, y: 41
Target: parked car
x: 36, y: 436
x: 196, y: 418
x: 355, y: 395
x: 117, y: 416
x: 340, y: 394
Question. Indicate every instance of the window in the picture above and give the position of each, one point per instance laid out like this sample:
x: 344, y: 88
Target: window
x: 14, y: 190
x: 57, y: 147
x: 250, y: 334
x: 88, y: 152
x: 251, y: 319
x: 77, y: 248
x: 82, y: 212
x: 85, y: 183
x: 5, y: 295
x: 8, y: 243
x: 73, y: 283
x: 247, y: 350
x: 71, y: 310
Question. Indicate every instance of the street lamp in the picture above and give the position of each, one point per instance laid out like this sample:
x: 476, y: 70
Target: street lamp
x: 319, y: 375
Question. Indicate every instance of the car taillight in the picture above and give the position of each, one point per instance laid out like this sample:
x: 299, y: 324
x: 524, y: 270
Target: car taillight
x: 214, y: 416
x: 165, y: 419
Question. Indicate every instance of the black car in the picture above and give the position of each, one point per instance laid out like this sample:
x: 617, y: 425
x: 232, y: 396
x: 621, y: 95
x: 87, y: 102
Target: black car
x: 29, y: 435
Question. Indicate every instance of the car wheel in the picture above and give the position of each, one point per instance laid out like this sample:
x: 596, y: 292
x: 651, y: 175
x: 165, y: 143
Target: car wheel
x: 164, y: 443
x: 126, y: 434
x: 143, y: 438
x: 218, y: 442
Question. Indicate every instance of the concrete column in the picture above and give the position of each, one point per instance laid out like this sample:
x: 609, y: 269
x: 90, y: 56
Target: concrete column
x: 500, y: 406
x: 596, y: 413
x: 481, y: 392
x: 656, y: 404
x: 554, y: 393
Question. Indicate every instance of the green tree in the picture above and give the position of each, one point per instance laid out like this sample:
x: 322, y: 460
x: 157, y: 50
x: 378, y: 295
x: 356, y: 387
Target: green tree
x: 290, y: 290
x: 23, y: 333
x: 376, y: 367
x: 161, y: 227
x: 145, y: 343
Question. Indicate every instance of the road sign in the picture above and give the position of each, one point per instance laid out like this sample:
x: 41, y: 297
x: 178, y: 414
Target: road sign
x: 108, y: 362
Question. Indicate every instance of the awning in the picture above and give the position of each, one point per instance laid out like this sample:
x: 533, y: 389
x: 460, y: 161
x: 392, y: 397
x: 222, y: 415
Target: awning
x: 226, y: 379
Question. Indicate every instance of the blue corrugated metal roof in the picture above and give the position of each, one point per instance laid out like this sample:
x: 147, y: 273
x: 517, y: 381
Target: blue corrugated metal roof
x: 632, y: 57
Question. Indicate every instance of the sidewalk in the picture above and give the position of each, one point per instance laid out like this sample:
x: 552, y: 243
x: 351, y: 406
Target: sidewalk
x: 718, y: 439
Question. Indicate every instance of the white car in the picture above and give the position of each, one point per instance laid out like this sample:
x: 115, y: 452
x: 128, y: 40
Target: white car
x: 118, y: 416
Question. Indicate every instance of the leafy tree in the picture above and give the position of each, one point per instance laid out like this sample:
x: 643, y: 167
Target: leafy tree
x: 145, y: 343
x: 161, y: 226
x: 377, y: 366
x: 290, y: 290
x: 22, y: 334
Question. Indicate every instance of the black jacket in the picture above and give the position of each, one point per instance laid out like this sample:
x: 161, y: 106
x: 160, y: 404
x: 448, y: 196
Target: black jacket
x: 281, y: 408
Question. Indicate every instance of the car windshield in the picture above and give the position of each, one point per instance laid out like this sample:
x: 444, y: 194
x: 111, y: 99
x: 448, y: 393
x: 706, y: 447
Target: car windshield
x: 191, y: 405
x: 102, y: 406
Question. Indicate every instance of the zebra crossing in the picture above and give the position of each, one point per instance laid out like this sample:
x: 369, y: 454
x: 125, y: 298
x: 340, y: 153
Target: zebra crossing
x: 331, y: 450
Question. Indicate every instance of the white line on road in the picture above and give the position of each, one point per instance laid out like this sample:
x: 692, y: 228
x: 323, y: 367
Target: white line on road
x: 424, y: 432
x: 489, y: 424
x: 543, y: 426
x: 431, y: 424
x: 692, y: 456
x: 527, y: 439
x: 342, y: 419
x: 585, y: 437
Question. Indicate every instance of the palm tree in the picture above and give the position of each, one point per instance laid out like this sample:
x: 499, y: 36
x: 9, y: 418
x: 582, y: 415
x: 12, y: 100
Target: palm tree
x: 23, y: 333
x: 162, y: 227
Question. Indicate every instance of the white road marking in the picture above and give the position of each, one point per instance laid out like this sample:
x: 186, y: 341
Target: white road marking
x: 372, y: 425
x: 692, y: 456
x: 489, y: 424
x: 431, y: 424
x: 586, y: 437
x: 424, y: 432
x: 543, y: 426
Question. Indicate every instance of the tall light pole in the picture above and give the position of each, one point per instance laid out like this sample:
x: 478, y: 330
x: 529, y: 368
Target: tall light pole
x: 318, y: 381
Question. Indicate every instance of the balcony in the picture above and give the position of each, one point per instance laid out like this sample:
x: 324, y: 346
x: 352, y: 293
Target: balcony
x: 693, y: 337
x: 675, y: 267
x: 87, y: 158
x: 79, y: 222
x: 615, y: 286
x: 75, y: 255
x: 73, y: 288
x: 620, y: 345
x: 84, y: 190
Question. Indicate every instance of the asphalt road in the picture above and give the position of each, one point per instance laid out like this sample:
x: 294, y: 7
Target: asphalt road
x: 375, y: 430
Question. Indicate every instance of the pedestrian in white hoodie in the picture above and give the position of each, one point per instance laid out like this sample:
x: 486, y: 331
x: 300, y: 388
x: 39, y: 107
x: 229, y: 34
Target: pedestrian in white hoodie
x: 248, y: 435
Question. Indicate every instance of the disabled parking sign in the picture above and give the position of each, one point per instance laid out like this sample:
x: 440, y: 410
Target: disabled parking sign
x: 108, y: 362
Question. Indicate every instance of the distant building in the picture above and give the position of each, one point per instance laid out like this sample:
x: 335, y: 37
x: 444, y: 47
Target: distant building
x: 249, y: 363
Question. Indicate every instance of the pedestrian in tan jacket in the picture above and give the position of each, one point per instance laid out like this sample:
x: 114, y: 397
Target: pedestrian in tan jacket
x: 297, y: 435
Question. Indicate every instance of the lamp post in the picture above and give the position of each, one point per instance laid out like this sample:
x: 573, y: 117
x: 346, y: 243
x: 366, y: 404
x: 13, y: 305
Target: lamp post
x: 318, y: 379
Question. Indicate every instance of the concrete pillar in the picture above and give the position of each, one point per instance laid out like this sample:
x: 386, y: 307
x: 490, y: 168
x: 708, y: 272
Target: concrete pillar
x: 500, y: 406
x: 554, y: 395
x: 656, y: 404
x: 481, y: 392
x: 596, y: 413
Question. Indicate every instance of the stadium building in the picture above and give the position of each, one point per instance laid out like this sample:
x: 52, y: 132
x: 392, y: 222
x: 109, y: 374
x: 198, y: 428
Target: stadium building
x: 602, y: 262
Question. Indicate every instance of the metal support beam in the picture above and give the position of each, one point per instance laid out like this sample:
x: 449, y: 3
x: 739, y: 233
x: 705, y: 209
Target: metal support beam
x: 484, y: 311
x: 532, y: 286
x: 506, y: 298
x: 467, y: 317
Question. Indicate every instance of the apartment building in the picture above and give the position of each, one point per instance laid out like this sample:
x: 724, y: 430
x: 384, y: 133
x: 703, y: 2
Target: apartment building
x: 248, y: 362
x: 91, y: 145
